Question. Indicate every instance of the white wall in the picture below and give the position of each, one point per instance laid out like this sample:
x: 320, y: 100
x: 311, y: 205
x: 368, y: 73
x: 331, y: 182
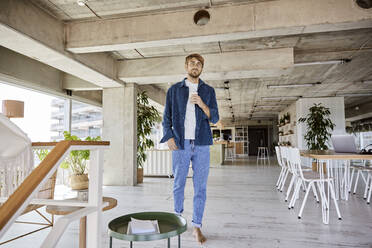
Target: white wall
x: 337, y: 108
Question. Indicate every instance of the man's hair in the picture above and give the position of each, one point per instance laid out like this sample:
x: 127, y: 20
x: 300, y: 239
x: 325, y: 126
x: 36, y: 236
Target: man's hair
x: 195, y: 55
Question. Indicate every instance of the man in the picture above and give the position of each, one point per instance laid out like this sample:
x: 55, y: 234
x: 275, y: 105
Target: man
x: 190, y: 106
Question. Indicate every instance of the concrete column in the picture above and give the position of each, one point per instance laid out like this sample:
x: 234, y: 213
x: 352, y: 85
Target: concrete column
x: 68, y: 115
x: 120, y: 128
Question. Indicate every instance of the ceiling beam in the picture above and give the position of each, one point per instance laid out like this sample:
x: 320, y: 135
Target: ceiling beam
x: 359, y: 112
x: 154, y: 93
x: 70, y: 82
x: 262, y: 19
x: 232, y: 65
x: 75, y: 84
x: 28, y: 30
x: 19, y: 70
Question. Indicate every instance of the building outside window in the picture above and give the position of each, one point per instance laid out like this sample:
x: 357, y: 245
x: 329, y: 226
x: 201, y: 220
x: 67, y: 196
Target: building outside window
x: 86, y: 120
x: 365, y: 139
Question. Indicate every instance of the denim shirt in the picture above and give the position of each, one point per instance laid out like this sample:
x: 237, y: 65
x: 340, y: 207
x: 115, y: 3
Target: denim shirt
x: 175, y: 111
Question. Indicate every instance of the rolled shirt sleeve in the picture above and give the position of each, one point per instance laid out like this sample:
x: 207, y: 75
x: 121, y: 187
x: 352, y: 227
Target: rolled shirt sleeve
x: 213, y: 109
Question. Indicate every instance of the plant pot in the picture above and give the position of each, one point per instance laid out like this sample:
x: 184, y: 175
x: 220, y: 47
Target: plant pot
x: 315, y: 167
x: 139, y: 175
x: 78, y: 182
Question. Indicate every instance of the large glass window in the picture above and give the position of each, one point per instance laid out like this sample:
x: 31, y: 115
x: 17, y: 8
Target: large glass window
x: 365, y: 139
x: 38, y: 109
x: 59, y: 120
x: 86, y: 120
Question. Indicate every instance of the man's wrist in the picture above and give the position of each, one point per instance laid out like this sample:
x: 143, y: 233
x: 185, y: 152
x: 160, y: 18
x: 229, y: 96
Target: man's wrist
x: 203, y: 105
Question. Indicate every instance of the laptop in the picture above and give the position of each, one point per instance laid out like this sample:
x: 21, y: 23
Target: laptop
x: 344, y: 144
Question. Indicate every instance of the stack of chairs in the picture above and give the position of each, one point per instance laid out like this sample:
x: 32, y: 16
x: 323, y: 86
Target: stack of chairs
x: 290, y: 160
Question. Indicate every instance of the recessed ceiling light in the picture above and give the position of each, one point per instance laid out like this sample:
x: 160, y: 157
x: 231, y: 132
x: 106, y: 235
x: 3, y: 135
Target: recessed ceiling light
x: 365, y: 4
x: 201, y: 17
x: 355, y: 94
x: 329, y: 62
x: 82, y: 2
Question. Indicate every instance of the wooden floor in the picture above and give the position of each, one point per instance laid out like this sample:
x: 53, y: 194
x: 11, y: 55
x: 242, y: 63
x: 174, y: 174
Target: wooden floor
x: 243, y: 210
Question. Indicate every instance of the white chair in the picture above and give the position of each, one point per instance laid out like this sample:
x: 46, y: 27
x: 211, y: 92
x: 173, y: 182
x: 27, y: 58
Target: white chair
x: 361, y: 170
x: 286, y: 155
x: 283, y: 170
x: 312, y: 179
x: 368, y: 184
x: 294, y: 174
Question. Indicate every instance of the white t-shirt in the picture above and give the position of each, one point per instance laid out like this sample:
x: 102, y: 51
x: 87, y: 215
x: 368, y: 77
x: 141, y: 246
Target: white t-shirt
x: 190, y: 119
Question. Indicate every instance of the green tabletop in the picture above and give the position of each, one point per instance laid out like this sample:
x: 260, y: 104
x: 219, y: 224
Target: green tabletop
x: 170, y: 225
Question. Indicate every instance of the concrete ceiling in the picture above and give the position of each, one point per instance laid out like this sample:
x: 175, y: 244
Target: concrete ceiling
x: 68, y: 10
x: 335, y: 79
x: 246, y: 93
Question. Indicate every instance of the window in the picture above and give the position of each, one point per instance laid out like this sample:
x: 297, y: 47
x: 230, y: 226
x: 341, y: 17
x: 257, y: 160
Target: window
x: 38, y: 111
x: 86, y: 120
x: 365, y: 139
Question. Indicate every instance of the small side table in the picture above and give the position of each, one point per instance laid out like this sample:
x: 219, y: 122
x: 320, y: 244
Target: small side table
x: 170, y: 225
x: 64, y: 210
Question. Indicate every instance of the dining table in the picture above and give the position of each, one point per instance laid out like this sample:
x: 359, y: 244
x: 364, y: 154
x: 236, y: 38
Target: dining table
x: 337, y: 167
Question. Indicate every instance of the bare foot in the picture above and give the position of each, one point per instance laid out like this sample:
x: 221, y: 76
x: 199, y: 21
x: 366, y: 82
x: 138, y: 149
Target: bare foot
x: 198, y: 235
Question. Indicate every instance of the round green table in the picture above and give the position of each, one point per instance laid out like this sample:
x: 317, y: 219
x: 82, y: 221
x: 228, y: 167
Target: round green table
x: 170, y: 225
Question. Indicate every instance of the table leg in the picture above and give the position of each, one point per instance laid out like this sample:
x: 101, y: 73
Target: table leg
x: 131, y: 244
x: 168, y: 242
x: 110, y: 242
x: 347, y: 182
x: 179, y: 241
x: 83, y: 232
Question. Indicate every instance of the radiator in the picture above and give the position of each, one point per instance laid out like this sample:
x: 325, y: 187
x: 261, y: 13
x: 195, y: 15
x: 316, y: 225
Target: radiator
x: 158, y: 163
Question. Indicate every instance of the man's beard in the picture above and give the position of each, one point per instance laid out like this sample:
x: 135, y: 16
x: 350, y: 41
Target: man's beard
x: 194, y: 74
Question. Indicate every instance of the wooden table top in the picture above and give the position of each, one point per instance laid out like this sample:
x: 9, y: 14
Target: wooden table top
x: 330, y: 154
x: 64, y: 210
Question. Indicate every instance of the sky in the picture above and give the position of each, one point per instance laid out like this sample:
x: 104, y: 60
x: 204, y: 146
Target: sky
x: 37, y: 114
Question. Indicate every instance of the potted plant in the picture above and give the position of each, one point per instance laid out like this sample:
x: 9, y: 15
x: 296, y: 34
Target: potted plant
x: 319, y: 127
x: 287, y: 118
x: 147, y: 116
x: 77, y: 163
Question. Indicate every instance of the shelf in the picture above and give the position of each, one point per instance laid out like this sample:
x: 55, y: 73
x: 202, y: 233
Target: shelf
x: 286, y: 135
x: 285, y: 125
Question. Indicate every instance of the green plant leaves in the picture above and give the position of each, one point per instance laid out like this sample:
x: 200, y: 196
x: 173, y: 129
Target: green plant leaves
x: 319, y: 127
x: 77, y: 160
x: 147, y: 116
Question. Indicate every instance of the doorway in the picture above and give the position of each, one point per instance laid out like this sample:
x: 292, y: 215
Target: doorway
x: 257, y: 136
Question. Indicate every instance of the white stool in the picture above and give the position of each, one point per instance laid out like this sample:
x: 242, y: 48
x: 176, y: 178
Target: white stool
x: 263, y: 154
x: 230, y: 151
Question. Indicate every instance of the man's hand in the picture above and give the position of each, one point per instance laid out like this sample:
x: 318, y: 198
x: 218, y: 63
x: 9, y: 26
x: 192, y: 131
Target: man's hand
x: 172, y: 144
x: 196, y: 99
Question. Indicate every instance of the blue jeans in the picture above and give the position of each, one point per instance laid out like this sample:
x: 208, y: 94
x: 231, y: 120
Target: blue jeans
x: 199, y: 156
